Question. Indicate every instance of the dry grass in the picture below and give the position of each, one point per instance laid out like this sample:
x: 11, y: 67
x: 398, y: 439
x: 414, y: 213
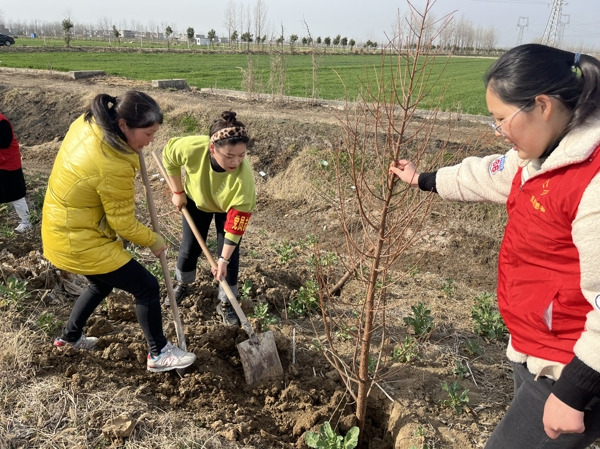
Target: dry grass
x: 298, y: 181
x: 42, y: 411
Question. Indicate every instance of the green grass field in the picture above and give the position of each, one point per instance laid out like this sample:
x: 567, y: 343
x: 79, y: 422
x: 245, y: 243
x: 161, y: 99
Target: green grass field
x: 340, y: 76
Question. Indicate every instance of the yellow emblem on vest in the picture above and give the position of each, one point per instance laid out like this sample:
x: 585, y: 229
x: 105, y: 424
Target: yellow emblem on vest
x: 536, y: 204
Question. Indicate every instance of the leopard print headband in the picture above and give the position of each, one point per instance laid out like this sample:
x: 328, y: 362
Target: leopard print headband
x: 227, y: 133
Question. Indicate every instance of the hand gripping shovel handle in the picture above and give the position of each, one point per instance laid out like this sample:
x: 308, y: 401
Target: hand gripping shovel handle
x: 163, y: 258
x: 211, y: 260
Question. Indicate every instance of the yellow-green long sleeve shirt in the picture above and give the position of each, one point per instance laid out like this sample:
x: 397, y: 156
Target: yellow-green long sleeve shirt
x: 212, y: 191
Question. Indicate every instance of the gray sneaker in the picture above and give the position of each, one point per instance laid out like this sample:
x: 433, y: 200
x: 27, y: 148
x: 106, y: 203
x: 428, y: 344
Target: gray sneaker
x: 83, y: 342
x: 181, y: 292
x: 228, y: 314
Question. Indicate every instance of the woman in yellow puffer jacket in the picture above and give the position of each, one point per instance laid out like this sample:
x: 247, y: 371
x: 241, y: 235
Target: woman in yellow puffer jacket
x: 89, y: 208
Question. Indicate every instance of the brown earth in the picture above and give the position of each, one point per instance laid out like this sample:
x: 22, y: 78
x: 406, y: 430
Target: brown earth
x: 64, y: 398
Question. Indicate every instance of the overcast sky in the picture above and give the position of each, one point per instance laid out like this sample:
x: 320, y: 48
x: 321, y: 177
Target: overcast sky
x: 356, y: 19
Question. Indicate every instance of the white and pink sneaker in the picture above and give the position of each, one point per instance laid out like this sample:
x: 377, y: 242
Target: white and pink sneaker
x: 170, y: 357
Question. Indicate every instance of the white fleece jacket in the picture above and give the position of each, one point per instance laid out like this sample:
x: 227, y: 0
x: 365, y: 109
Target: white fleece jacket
x: 481, y: 179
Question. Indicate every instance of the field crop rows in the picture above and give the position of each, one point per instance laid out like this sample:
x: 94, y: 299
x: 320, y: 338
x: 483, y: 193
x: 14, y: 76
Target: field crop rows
x: 340, y: 76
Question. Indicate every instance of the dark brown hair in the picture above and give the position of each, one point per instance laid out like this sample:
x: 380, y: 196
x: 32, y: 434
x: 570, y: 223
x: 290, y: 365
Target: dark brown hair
x: 138, y: 109
x: 227, y: 120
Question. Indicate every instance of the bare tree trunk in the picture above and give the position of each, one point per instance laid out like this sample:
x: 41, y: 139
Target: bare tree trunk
x: 260, y: 18
x: 389, y: 217
x: 230, y: 21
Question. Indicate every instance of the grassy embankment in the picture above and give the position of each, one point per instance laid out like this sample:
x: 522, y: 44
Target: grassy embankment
x: 461, y: 76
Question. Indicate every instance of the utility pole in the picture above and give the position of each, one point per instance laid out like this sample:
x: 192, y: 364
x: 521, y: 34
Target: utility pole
x: 553, y: 26
x: 565, y: 20
x: 522, y: 24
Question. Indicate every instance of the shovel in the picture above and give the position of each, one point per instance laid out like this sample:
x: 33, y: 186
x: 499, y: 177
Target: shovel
x: 258, y: 354
x: 163, y: 262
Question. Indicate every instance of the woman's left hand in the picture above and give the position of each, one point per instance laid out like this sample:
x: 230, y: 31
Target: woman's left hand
x: 560, y: 418
x: 221, y: 271
x: 160, y: 251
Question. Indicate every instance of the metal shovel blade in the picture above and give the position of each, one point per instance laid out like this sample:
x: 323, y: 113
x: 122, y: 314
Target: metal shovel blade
x: 260, y: 361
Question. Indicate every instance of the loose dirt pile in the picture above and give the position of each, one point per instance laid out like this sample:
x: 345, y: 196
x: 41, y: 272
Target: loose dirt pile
x: 68, y: 398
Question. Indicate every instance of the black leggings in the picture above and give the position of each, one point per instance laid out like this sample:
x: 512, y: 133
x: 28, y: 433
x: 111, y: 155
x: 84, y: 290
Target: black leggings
x: 190, y: 249
x: 132, y: 278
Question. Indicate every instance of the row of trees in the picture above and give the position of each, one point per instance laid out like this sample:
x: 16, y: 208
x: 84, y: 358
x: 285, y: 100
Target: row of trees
x: 247, y: 25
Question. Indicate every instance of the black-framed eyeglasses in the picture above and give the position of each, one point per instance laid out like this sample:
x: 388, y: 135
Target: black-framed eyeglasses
x: 497, y: 127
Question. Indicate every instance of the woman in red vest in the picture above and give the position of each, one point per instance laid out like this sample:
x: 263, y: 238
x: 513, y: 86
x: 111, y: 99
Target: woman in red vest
x: 12, y: 182
x: 546, y: 104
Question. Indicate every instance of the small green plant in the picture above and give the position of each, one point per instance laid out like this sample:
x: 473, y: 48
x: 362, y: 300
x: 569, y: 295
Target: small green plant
x: 261, y: 312
x: 407, y: 351
x: 372, y: 365
x: 456, y: 400
x: 488, y: 321
x: 420, y: 433
x: 316, y: 345
x: 343, y: 332
x: 328, y: 439
x: 156, y: 270
x: 48, y: 323
x: 6, y: 231
x: 253, y: 254
x: 309, y: 241
x: 413, y: 270
x: 421, y: 321
x: 449, y: 287
x: 326, y: 259
x: 133, y: 250
x: 212, y: 245
x: 246, y: 290
x: 306, y: 301
x: 189, y: 123
x: 473, y: 347
x: 285, y: 250
x: 460, y: 370
x: 13, y: 292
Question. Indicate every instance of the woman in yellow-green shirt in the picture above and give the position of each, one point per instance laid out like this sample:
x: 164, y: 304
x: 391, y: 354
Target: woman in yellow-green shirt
x: 219, y: 183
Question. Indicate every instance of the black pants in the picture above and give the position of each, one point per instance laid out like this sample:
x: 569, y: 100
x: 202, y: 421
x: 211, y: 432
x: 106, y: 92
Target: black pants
x: 132, y: 278
x: 190, y: 249
x: 522, y: 426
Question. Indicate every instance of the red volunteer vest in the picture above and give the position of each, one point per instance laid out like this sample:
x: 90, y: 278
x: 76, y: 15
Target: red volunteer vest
x: 539, y: 290
x: 10, y: 158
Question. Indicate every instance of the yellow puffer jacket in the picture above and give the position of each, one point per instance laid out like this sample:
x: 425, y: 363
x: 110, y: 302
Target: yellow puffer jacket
x: 89, y: 201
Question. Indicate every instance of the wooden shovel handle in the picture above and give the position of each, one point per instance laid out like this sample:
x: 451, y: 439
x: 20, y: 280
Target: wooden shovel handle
x: 186, y: 213
x: 163, y: 257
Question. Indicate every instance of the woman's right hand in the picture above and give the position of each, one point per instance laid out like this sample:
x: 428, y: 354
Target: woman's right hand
x: 179, y: 200
x: 406, y: 171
